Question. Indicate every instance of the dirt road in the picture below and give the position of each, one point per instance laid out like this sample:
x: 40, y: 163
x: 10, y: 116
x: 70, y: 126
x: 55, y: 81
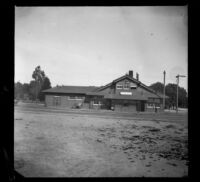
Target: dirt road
x: 56, y: 144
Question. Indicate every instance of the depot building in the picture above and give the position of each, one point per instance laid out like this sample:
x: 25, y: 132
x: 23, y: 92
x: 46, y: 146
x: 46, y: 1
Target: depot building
x: 122, y: 94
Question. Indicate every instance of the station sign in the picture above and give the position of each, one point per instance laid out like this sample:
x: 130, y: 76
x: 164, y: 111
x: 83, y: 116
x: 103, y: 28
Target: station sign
x: 125, y: 93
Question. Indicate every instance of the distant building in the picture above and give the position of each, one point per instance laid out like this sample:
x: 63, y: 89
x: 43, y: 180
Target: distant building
x: 122, y: 94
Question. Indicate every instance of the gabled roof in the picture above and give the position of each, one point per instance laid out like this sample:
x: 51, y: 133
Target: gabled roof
x: 152, y: 94
x: 116, y: 80
x: 71, y: 89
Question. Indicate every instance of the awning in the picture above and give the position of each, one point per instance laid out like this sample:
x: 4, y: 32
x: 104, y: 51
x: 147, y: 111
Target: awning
x: 134, y: 96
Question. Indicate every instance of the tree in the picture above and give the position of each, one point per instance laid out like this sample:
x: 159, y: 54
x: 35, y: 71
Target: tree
x: 46, y: 85
x: 18, y: 90
x: 158, y: 87
x: 21, y: 90
x: 40, y: 83
x: 182, y: 97
x: 171, y: 92
x: 26, y: 88
x: 39, y: 76
x: 32, y: 88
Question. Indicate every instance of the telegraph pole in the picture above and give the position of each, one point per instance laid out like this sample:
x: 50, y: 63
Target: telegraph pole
x: 177, y: 91
x: 164, y: 92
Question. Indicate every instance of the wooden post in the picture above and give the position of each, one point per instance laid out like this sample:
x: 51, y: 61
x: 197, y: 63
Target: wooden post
x: 177, y: 94
x: 164, y: 92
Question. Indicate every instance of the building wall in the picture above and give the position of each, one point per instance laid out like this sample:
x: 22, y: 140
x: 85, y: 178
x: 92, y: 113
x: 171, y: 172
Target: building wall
x: 124, y: 105
x: 48, y: 100
x: 153, y: 109
x: 86, y: 105
x: 61, y: 101
x: 129, y: 108
x: 94, y: 106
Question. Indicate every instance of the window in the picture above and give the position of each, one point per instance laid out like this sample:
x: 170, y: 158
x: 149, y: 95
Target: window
x: 150, y: 105
x: 72, y: 97
x: 133, y: 86
x: 96, y: 102
x: 126, y: 85
x: 76, y: 97
x: 79, y: 97
x: 119, y: 86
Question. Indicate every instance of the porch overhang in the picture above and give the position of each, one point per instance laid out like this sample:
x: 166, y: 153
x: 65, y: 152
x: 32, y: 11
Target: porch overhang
x: 126, y: 97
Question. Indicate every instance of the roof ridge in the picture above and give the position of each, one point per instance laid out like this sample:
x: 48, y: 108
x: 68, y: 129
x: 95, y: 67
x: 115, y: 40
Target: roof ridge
x: 124, y: 76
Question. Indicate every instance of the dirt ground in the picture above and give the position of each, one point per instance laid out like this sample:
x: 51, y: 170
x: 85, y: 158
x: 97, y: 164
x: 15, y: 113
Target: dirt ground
x: 50, y: 144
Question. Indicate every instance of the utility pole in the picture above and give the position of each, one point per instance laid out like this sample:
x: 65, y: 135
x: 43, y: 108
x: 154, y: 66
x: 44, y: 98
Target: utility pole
x: 177, y: 91
x: 164, y: 92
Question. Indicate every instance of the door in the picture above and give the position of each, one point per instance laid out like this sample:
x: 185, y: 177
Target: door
x: 142, y: 106
x: 138, y: 106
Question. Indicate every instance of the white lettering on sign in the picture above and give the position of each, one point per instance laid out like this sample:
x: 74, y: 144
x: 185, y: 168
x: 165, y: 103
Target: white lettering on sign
x: 125, y: 93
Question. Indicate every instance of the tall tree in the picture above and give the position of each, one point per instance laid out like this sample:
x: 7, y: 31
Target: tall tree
x: 39, y: 76
x: 45, y: 85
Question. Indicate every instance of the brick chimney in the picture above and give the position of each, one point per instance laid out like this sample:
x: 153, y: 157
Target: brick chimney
x: 130, y: 73
x: 137, y: 76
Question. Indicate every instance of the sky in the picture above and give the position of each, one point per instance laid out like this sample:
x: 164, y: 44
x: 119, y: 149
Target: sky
x: 92, y: 46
